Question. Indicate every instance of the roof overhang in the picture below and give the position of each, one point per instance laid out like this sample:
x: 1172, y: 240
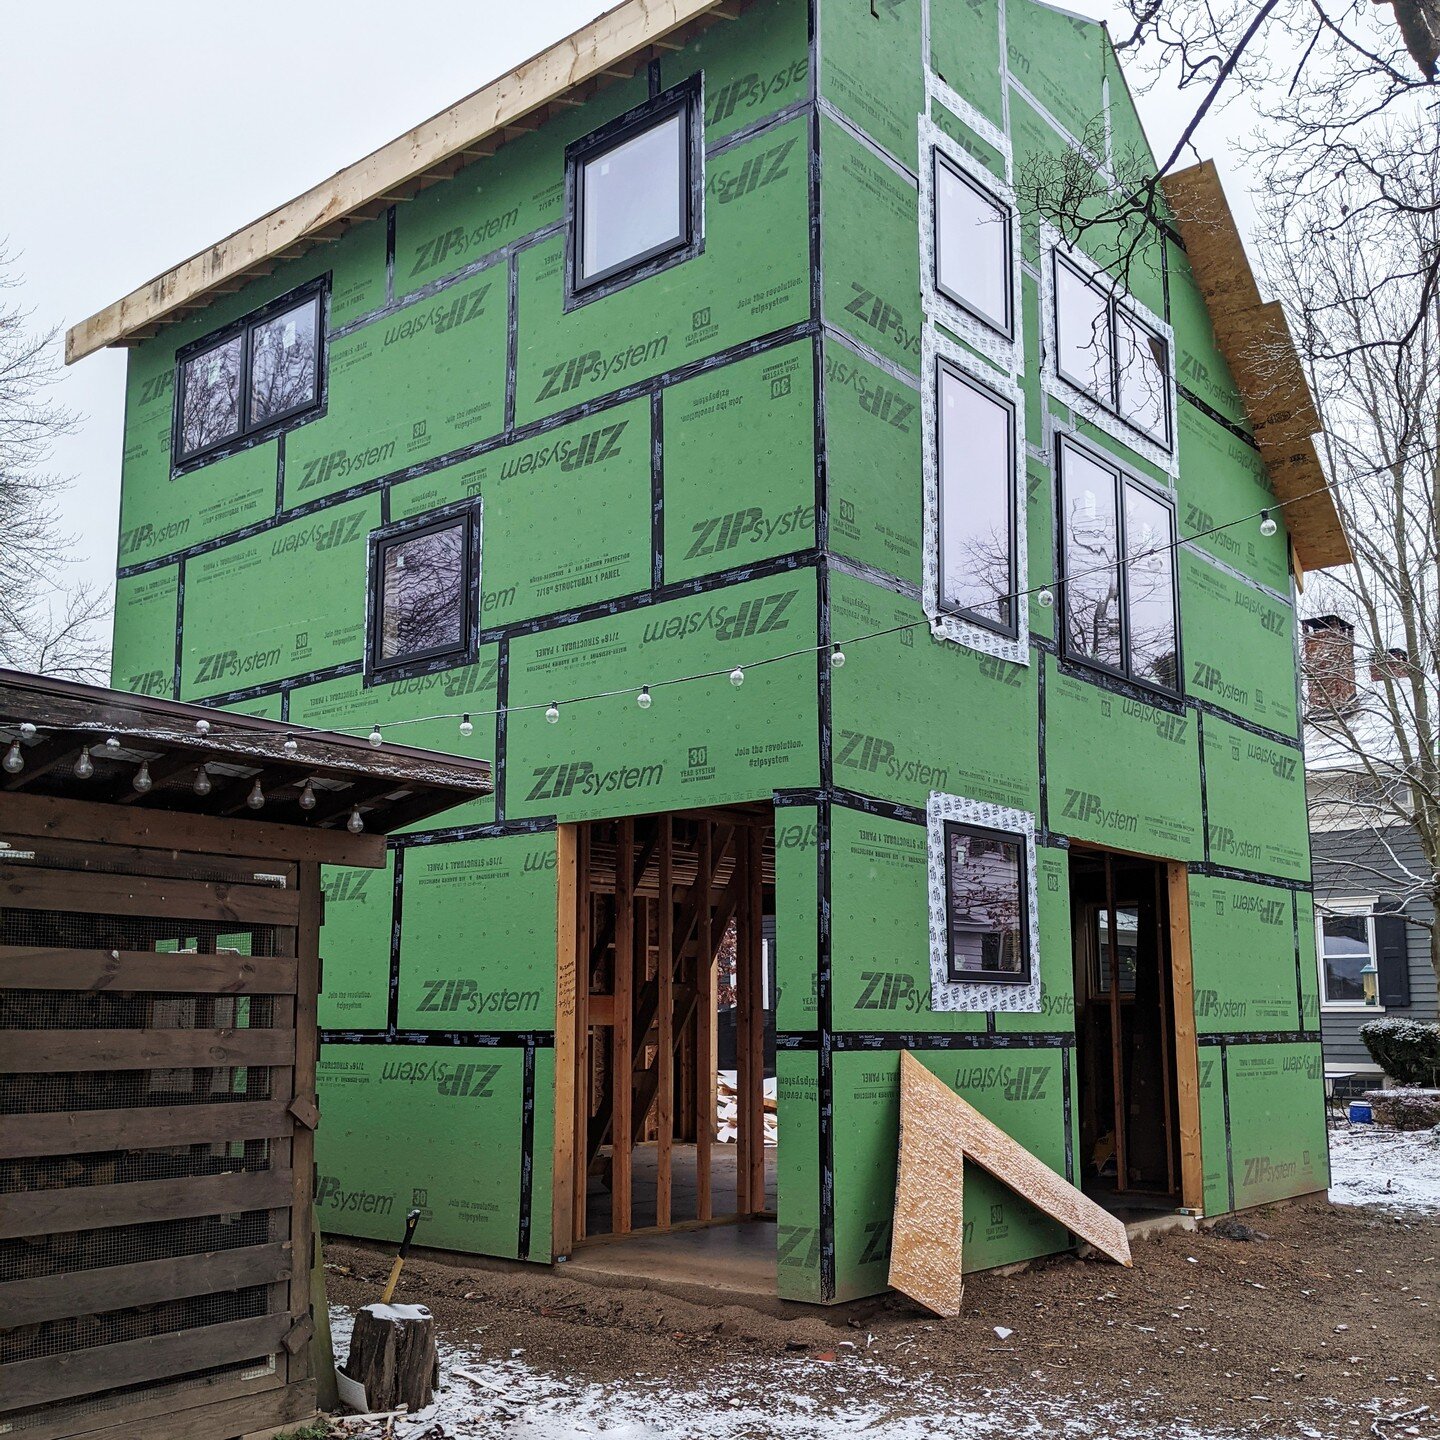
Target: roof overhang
x: 390, y: 785
x: 1255, y: 339
x: 609, y: 48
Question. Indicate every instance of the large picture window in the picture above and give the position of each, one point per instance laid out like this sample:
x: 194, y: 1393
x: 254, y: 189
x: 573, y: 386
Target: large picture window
x: 986, y: 906
x: 1118, y: 571
x: 251, y: 379
x: 1105, y: 349
x: 975, y: 450
x: 424, y: 595
x: 634, y: 204
x: 973, y: 260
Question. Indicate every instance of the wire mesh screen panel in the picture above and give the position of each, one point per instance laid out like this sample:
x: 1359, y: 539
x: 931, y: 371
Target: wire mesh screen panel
x: 150, y: 1246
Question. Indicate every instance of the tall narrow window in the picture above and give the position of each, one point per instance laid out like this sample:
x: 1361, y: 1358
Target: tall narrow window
x: 976, y: 454
x: 259, y: 375
x: 1106, y: 350
x: 632, y: 199
x: 1119, y: 571
x: 1091, y: 536
x: 972, y: 247
x: 424, y: 584
x: 986, y: 905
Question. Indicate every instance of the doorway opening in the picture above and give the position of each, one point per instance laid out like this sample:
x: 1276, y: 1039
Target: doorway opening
x: 1138, y: 1105
x: 670, y: 1026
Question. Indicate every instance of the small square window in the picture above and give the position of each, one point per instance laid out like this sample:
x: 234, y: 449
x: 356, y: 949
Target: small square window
x: 1346, y: 948
x: 633, y: 204
x: 424, y: 592
x: 986, y: 906
x: 972, y: 247
x: 248, y: 382
x: 976, y: 451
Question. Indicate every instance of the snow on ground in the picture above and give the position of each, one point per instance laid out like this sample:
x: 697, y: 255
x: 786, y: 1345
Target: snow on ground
x: 1397, y: 1170
x: 484, y: 1399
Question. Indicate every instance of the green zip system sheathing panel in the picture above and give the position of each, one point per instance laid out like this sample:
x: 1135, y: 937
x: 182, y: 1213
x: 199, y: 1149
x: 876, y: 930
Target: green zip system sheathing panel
x: 720, y: 465
x: 477, y: 935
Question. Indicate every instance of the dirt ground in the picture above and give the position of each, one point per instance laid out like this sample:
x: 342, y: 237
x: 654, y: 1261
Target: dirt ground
x: 1327, y: 1326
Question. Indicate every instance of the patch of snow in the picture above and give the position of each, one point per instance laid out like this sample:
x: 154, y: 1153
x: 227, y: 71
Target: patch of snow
x: 1395, y: 1170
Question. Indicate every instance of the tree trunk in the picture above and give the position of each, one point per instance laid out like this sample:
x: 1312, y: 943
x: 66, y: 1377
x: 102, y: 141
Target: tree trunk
x: 393, y: 1355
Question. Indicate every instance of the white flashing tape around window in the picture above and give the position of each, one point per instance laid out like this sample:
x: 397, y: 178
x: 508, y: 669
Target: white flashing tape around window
x: 938, y: 306
x: 1016, y: 649
x: 936, y: 89
x: 947, y: 996
x: 1071, y: 395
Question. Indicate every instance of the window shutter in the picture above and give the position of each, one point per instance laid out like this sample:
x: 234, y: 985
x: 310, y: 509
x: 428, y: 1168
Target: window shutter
x: 1392, y: 960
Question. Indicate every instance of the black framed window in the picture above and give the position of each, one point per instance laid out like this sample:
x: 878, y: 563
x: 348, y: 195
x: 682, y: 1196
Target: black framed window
x: 1105, y: 349
x: 424, y: 595
x: 251, y: 379
x: 975, y: 456
x: 633, y: 193
x: 1117, y: 542
x: 973, y: 258
x: 987, y: 905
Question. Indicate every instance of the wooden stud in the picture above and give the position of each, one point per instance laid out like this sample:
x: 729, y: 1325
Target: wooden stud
x: 1187, y: 1054
x: 567, y: 990
x: 580, y: 1176
x: 622, y: 1049
x: 755, y: 1097
x: 665, y: 1029
x: 1117, y: 1056
x: 704, y: 1023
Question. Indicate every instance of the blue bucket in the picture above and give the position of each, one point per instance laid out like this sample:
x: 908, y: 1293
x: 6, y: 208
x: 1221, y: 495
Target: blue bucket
x: 1361, y: 1113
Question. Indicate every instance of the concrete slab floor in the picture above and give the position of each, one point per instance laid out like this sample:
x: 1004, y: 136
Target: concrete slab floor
x: 728, y: 1259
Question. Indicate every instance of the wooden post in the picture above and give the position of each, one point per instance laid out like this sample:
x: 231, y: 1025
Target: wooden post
x: 567, y: 991
x: 1187, y: 1055
x: 665, y: 1026
x: 745, y: 1080
x: 704, y: 1022
x: 622, y: 1048
x: 299, y: 1364
x: 580, y: 1172
x: 1117, y: 1053
x: 755, y: 1096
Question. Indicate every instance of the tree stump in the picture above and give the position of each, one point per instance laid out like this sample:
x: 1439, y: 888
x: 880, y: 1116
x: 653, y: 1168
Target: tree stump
x: 393, y: 1355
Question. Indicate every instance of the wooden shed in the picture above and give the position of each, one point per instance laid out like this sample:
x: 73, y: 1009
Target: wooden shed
x: 160, y: 900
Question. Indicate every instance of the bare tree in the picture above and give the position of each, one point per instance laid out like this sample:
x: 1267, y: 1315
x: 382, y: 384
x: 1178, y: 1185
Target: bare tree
x: 45, y: 626
x: 1344, y: 92
x: 1372, y: 351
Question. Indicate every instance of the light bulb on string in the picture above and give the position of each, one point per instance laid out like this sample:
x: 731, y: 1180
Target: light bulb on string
x: 552, y: 712
x: 202, y: 785
x: 1045, y: 599
x: 142, y: 781
x: 1267, y: 524
x: 307, y: 797
x: 291, y: 746
x: 202, y: 727
x: 466, y: 728
x: 84, y: 766
x: 837, y: 658
x: 112, y: 742
x: 355, y: 824
x: 27, y: 730
x: 643, y: 699
x: 14, y: 761
x: 737, y: 676
x: 256, y: 798
x: 376, y: 738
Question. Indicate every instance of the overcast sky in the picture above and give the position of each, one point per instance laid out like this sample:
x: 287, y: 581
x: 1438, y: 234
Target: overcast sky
x: 135, y: 134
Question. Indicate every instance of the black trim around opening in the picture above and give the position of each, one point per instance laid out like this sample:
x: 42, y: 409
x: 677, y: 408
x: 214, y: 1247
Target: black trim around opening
x: 1022, y: 872
x: 683, y: 100
x: 250, y: 434
x: 1121, y: 477
x: 1007, y: 329
x: 440, y: 657
x: 1014, y: 481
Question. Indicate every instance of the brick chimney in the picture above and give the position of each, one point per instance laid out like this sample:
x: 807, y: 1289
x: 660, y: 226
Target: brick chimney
x: 1330, y: 662
x: 1392, y: 664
